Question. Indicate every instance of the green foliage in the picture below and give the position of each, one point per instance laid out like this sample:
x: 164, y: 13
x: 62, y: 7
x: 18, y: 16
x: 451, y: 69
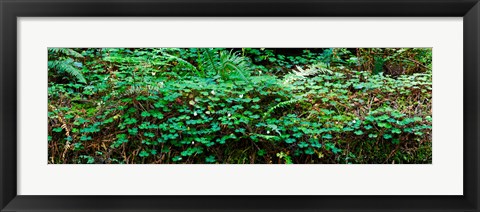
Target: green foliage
x: 312, y: 70
x: 65, y: 63
x: 172, y: 105
x: 224, y: 64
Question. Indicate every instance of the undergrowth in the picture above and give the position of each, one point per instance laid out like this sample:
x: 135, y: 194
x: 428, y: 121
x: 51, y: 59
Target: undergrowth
x: 238, y: 106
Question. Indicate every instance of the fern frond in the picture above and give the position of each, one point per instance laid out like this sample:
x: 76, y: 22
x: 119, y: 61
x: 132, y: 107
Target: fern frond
x: 140, y: 90
x: 237, y: 69
x: 312, y: 70
x: 66, y: 51
x: 224, y: 64
x: 182, y: 62
x: 281, y: 105
x: 67, y: 66
x: 208, y: 61
x: 231, y: 62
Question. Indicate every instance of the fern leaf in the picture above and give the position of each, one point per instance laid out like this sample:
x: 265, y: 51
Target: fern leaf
x: 182, y: 62
x: 66, y: 66
x: 66, y: 51
x: 312, y: 70
x: 280, y: 105
x: 209, y: 63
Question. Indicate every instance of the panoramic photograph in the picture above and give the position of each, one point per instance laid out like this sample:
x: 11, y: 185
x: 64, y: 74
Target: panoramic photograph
x: 239, y: 106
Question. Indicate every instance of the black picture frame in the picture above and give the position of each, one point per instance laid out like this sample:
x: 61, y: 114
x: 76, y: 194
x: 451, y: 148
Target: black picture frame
x: 11, y: 9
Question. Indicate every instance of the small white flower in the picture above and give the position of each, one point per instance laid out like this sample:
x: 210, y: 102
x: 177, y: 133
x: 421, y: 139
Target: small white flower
x: 241, y: 95
x: 229, y: 114
x: 354, y: 121
x: 193, y: 143
x: 153, y: 73
x: 268, y: 132
x: 208, y: 112
x: 213, y: 92
x: 195, y: 113
x: 259, y: 72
